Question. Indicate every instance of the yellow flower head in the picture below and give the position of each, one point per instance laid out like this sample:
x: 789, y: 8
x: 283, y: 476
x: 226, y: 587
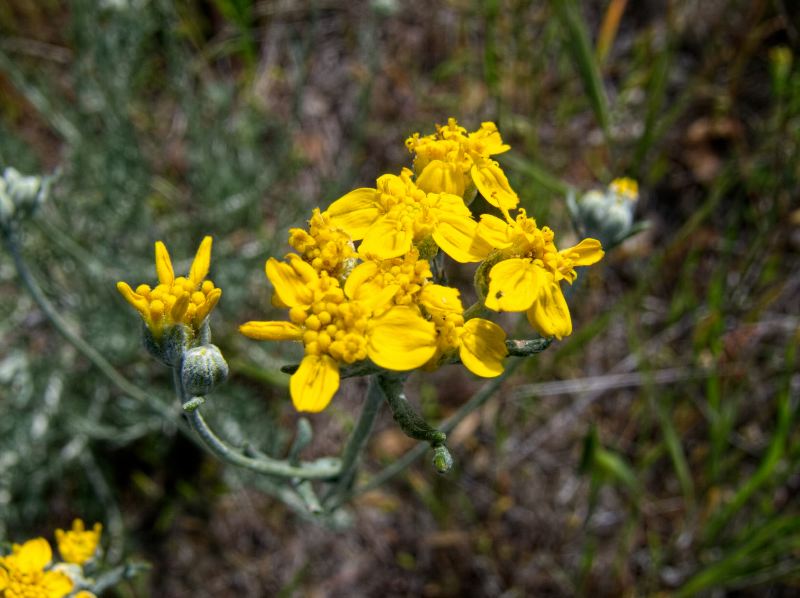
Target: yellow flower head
x: 23, y: 575
x: 335, y: 328
x: 181, y: 300
x: 454, y: 161
x: 397, y: 214
x: 481, y: 344
x: 626, y: 188
x: 323, y: 246
x: 78, y: 545
x: 529, y: 275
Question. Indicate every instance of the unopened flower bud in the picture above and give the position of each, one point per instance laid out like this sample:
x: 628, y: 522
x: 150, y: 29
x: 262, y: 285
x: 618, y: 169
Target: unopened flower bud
x: 442, y: 459
x: 20, y: 195
x: 606, y: 215
x: 203, y: 369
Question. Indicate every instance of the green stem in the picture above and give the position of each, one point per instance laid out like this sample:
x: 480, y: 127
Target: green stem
x: 478, y: 399
x: 102, y: 364
x: 412, y: 424
x: 355, y: 444
x: 322, y: 469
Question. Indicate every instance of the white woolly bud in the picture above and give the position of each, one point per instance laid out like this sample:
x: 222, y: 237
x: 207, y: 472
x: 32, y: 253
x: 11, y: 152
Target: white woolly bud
x: 203, y: 369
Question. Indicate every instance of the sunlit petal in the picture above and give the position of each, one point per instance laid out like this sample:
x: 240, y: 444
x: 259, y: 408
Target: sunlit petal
x: 314, y: 383
x: 483, y: 347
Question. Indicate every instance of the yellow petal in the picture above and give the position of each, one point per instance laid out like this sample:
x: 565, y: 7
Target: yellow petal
x: 483, y: 347
x: 514, y: 285
x: 441, y: 177
x: 490, y: 139
x: 314, y: 383
x: 211, y: 301
x: 447, y: 203
x: 56, y: 584
x: 166, y: 275
x: 400, y: 339
x: 491, y: 181
x: 33, y: 555
x: 179, y: 308
x: 458, y: 238
x: 272, y: 331
x: 139, y: 303
x: 549, y: 314
x: 3, y: 576
x: 354, y: 286
x: 202, y: 262
x: 291, y: 282
x: 355, y: 212
x: 440, y: 300
x: 387, y: 238
x: 585, y: 253
x: 494, y: 231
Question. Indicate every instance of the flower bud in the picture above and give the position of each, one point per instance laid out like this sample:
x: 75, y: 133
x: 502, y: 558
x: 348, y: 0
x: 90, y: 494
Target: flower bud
x: 170, y: 346
x: 606, y: 215
x: 20, y: 195
x: 203, y: 369
x: 442, y: 459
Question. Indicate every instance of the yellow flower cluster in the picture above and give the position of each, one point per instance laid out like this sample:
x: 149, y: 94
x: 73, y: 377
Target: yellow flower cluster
x: 29, y: 571
x: 379, y: 301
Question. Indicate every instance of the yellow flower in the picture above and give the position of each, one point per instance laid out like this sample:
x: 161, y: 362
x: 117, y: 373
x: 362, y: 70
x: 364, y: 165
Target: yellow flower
x: 625, y: 187
x: 452, y: 161
x: 481, y: 344
x: 78, y: 545
x: 182, y: 300
x: 397, y: 214
x: 335, y: 328
x: 529, y: 275
x: 23, y: 575
x: 323, y: 246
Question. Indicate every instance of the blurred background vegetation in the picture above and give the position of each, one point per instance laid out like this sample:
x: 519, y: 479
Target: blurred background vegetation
x: 656, y: 451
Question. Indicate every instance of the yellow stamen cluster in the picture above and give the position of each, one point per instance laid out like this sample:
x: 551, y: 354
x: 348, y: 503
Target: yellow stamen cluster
x: 332, y: 325
x: 182, y: 301
x: 405, y: 203
x: 408, y: 273
x: 323, y: 246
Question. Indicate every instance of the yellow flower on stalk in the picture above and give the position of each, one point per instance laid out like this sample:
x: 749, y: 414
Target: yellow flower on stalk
x: 78, y: 545
x: 397, y: 214
x: 23, y: 575
x: 323, y: 246
x: 337, y: 329
x: 481, y: 344
x: 181, y: 300
x: 528, y: 277
x: 454, y: 161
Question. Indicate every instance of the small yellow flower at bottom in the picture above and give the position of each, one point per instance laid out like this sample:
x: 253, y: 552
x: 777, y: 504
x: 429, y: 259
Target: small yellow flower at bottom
x: 181, y: 300
x: 22, y: 573
x: 78, y: 545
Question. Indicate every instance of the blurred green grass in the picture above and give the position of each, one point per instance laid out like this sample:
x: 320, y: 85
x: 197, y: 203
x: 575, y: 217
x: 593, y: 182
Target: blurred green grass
x: 673, y: 468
